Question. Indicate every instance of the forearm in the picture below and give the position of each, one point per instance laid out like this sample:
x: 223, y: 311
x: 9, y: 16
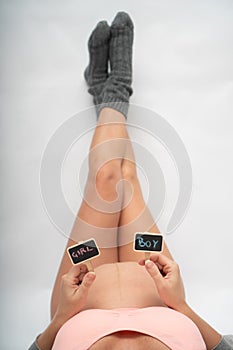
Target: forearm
x: 46, y: 339
x: 210, y: 336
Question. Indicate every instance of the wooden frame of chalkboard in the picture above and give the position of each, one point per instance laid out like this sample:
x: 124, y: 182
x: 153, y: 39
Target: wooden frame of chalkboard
x: 148, y: 242
x: 83, y: 251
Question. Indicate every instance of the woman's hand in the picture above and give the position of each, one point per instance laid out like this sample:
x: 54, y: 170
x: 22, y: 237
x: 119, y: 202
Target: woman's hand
x: 166, y: 275
x: 73, y: 291
x: 73, y: 294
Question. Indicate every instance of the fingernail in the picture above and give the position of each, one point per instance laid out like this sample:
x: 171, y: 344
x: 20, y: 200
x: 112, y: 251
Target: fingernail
x: 91, y: 276
x: 149, y: 264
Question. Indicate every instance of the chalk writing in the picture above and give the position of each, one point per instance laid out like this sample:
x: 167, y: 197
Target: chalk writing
x: 83, y: 251
x: 148, y: 242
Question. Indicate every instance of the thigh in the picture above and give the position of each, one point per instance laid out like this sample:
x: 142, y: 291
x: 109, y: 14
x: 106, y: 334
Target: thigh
x: 89, y: 223
x: 107, y: 255
x: 135, y: 215
x: 103, y: 227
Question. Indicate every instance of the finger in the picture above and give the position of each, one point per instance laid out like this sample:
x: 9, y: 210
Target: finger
x: 83, y: 268
x: 74, y: 271
x: 161, y: 259
x: 87, y: 282
x: 73, y: 275
x: 142, y: 262
x: 154, y: 272
x: 156, y: 258
x: 81, y: 276
x: 159, y: 266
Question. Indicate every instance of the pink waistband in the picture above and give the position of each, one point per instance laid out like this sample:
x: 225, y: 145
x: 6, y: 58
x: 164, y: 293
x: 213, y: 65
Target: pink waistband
x: 172, y: 328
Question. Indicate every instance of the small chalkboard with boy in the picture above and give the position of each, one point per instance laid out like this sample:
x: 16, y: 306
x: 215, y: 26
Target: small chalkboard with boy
x: 83, y: 252
x: 148, y: 242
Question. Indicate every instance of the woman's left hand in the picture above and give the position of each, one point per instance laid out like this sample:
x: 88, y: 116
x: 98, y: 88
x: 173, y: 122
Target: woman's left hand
x: 73, y: 291
x: 166, y: 275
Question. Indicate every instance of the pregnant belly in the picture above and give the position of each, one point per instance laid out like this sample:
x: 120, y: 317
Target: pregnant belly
x: 124, y: 284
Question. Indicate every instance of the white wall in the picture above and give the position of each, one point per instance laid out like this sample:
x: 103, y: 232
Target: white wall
x: 182, y: 70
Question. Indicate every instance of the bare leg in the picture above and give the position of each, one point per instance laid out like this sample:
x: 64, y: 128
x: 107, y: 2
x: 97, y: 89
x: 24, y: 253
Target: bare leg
x: 100, y: 219
x: 99, y: 214
x: 135, y: 216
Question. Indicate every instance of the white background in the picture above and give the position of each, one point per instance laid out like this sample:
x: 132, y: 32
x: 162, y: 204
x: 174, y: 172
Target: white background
x: 182, y: 70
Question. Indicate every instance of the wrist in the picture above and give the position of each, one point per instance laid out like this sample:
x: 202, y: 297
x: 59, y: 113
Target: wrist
x: 46, y: 339
x: 183, y: 307
x: 58, y: 320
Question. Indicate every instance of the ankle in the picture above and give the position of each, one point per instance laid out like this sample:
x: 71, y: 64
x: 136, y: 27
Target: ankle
x: 110, y: 115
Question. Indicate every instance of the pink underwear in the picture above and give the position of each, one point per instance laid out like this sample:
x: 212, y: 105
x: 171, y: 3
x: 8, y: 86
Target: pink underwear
x: 172, y: 328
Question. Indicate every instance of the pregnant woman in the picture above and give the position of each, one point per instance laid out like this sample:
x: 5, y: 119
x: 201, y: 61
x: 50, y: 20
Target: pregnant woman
x: 127, y: 302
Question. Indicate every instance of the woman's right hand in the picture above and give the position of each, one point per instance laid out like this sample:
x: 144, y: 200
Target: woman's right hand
x: 73, y: 294
x: 74, y: 289
x: 166, y: 275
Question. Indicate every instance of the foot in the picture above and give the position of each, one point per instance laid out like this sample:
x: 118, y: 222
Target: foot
x: 96, y: 73
x: 117, y: 89
x: 121, y: 44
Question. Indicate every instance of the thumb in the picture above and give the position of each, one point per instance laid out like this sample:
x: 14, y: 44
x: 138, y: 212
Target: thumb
x: 154, y: 272
x: 87, y: 282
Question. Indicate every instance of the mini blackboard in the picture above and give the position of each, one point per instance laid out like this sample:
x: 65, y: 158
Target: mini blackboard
x: 83, y: 251
x: 148, y: 242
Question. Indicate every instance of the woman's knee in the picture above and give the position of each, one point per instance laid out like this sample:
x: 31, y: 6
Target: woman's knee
x: 129, y: 171
x: 106, y: 179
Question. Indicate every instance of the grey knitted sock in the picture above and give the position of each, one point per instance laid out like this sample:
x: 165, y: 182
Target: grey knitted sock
x: 117, y: 88
x: 96, y: 72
